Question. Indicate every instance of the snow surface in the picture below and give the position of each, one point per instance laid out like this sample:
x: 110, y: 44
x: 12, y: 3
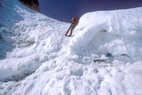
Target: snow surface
x: 37, y: 59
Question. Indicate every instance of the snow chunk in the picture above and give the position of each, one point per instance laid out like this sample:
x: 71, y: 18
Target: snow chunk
x: 117, y: 32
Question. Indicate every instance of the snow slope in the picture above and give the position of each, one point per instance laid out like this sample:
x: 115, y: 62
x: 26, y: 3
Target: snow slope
x: 37, y: 59
x: 26, y: 39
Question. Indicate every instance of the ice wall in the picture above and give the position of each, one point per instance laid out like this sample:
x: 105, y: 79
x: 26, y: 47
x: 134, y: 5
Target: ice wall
x: 117, y: 32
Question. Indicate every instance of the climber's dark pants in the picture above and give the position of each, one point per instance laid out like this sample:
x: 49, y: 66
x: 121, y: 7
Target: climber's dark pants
x: 72, y: 26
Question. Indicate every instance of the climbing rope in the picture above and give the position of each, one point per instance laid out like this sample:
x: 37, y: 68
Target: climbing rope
x: 104, y: 39
x: 120, y: 37
x: 128, y: 52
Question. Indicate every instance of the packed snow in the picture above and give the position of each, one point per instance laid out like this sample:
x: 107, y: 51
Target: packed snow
x: 37, y: 59
x: 116, y: 32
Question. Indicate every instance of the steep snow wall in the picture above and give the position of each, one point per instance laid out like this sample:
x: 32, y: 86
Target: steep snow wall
x: 117, y: 32
x: 28, y: 39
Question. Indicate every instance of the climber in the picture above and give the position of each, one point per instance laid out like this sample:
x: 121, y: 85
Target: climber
x: 74, y: 22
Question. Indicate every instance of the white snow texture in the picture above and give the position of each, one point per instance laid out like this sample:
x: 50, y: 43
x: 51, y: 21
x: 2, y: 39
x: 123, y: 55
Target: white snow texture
x: 37, y: 59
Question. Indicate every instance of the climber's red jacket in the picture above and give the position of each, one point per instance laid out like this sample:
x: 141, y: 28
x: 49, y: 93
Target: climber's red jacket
x: 75, y: 20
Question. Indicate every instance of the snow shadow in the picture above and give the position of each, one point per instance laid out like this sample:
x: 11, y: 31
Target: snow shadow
x: 6, y: 44
x: 8, y: 32
x: 18, y: 77
x: 5, y: 47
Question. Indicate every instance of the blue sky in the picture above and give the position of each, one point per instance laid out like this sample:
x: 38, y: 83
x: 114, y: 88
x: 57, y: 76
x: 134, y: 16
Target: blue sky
x: 64, y: 10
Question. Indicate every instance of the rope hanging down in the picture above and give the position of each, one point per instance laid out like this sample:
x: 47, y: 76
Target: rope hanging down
x: 109, y: 54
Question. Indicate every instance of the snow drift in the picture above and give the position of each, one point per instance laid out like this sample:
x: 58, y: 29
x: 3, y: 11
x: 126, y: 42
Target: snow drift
x: 34, y: 58
x: 117, y: 32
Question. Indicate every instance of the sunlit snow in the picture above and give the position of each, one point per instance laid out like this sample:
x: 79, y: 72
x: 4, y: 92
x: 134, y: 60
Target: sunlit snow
x: 37, y: 59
